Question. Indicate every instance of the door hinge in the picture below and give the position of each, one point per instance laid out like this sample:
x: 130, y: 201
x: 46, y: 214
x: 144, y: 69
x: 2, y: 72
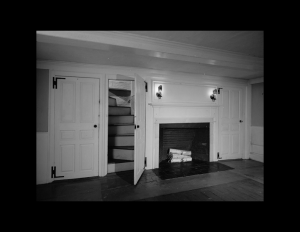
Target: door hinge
x: 146, y: 86
x: 55, y: 82
x: 53, y: 173
x: 145, y: 161
x: 219, y: 156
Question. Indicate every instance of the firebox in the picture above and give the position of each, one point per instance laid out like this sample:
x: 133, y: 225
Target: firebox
x: 192, y: 137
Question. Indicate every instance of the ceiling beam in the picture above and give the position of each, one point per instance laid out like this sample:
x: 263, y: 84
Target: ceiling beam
x: 139, y: 45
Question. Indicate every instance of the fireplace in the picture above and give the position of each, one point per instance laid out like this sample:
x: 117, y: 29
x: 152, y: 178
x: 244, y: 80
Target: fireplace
x: 192, y: 137
x: 212, y: 126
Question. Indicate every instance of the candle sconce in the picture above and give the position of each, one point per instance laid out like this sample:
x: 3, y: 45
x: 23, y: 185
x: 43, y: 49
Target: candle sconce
x: 159, y: 93
x: 213, y: 97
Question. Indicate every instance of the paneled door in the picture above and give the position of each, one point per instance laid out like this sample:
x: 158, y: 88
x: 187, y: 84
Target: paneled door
x: 231, y: 124
x: 140, y: 131
x: 76, y: 127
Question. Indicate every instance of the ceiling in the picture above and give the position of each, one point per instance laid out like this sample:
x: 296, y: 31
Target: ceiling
x: 236, y: 54
x: 245, y: 42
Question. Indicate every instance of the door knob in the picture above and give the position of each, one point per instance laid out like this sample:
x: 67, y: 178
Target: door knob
x: 95, y: 126
x: 241, y: 121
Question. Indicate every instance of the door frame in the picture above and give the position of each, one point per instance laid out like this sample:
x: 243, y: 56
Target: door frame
x: 51, y: 119
x: 105, y: 138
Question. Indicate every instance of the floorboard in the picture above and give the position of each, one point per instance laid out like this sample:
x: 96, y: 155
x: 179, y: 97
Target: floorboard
x: 243, y: 182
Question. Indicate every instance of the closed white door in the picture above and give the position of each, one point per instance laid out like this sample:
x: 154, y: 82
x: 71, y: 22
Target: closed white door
x: 140, y: 131
x: 231, y: 124
x: 76, y: 127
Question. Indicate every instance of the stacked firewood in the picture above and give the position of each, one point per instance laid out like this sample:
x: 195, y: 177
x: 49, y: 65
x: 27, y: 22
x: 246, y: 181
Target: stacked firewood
x: 176, y: 155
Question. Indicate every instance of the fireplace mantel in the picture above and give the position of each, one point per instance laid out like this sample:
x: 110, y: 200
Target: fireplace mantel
x: 183, y: 105
x: 182, y: 120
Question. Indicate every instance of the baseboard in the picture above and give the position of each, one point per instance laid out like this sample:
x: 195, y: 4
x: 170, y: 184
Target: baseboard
x: 118, y: 167
x: 257, y: 157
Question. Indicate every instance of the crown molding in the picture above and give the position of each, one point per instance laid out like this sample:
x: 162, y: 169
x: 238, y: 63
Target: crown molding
x: 141, y: 45
x: 147, y: 74
x: 256, y: 80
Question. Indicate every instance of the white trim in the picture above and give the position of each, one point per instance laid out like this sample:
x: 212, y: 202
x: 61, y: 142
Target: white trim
x: 105, y: 126
x: 106, y: 40
x: 183, y: 105
x: 256, y: 80
x: 50, y: 159
x: 42, y: 150
x: 248, y: 121
x: 155, y: 75
x: 256, y: 157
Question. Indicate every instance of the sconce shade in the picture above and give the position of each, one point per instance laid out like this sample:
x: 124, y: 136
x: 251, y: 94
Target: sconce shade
x: 213, y: 97
x: 159, y: 93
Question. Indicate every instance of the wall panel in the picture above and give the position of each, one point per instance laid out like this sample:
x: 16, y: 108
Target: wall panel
x: 41, y: 157
x: 42, y: 97
x: 179, y: 93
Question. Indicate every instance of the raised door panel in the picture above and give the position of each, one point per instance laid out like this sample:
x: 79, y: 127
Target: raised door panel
x: 86, y: 102
x: 67, y: 155
x: 225, y: 145
x: 86, y: 157
x: 68, y: 102
x: 235, y: 145
x: 234, y: 110
x: 225, y: 112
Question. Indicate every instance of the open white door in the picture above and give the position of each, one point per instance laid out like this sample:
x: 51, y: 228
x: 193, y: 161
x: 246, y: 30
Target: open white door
x: 140, y: 128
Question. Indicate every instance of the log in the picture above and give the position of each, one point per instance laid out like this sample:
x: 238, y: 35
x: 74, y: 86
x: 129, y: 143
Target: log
x: 181, y: 152
x: 181, y: 160
x: 176, y: 156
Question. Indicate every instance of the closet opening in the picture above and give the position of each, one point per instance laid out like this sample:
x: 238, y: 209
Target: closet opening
x: 120, y: 126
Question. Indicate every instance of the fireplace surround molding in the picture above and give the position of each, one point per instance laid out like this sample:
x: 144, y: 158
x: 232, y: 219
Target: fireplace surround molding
x: 212, y: 134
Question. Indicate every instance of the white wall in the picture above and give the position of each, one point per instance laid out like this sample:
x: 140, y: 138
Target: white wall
x: 42, y: 130
x: 42, y: 139
x: 257, y: 143
x: 257, y: 120
x: 192, y: 105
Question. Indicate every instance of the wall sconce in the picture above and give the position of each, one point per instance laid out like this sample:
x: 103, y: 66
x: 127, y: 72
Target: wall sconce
x: 159, y: 94
x: 213, y: 97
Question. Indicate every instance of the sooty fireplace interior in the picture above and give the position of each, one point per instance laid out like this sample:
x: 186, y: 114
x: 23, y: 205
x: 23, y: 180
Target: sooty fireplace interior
x: 185, y: 136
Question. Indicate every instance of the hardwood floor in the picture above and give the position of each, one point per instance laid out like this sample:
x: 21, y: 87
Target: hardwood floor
x: 242, y: 190
x: 245, y: 182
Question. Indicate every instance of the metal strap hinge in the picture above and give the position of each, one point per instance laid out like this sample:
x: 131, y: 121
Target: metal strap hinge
x: 53, y: 173
x: 55, y: 81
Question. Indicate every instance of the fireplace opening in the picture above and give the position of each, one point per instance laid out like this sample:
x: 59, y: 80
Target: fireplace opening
x: 192, y: 137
